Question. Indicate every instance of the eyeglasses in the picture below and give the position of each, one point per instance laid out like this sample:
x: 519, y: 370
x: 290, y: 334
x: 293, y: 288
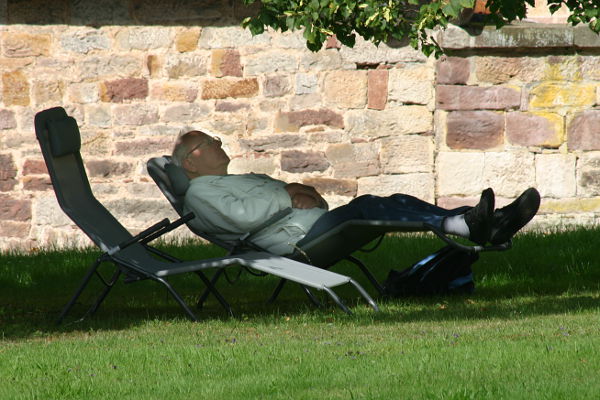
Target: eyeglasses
x: 209, y: 141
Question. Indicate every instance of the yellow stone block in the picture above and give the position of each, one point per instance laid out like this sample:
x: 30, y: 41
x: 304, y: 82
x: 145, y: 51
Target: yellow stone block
x: 554, y: 95
x: 187, y: 40
x: 558, y: 125
x: 570, y: 205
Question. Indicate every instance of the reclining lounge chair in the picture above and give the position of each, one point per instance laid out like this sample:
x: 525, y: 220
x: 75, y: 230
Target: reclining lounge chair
x: 60, y: 142
x: 322, y: 250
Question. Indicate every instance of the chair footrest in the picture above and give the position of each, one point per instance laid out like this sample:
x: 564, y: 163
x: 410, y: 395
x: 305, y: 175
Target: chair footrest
x: 295, y: 271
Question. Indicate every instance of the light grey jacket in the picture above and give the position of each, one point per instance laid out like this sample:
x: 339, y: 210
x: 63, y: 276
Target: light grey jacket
x: 229, y: 206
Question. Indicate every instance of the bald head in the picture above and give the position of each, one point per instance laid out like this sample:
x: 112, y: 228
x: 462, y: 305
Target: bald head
x: 200, y: 154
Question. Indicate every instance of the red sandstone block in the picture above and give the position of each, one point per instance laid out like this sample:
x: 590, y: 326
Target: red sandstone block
x: 34, y: 167
x: 474, y: 130
x: 342, y: 187
x: 583, y: 132
x: 453, y: 71
x: 124, y: 89
x: 14, y: 210
x: 300, y: 161
x: 476, y: 98
x: 37, y: 183
x: 294, y: 120
x: 377, y: 88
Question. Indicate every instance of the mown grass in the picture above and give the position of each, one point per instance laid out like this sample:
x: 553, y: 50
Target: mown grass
x: 531, y: 330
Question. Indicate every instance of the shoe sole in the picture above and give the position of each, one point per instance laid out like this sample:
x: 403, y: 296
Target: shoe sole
x: 524, y: 211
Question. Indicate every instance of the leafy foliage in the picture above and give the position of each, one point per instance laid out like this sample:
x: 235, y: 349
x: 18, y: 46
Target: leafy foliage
x: 382, y: 20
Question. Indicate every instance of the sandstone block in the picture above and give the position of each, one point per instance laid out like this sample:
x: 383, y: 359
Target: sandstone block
x: 154, y: 65
x: 226, y: 63
x: 174, y: 92
x: 306, y: 83
x: 137, y: 114
x: 567, y: 206
x: 266, y: 143
x: 377, y: 88
x: 276, y: 86
x: 25, y: 45
x: 588, y: 174
x: 230, y: 37
x: 137, y: 148
x: 304, y: 101
x: 299, y: 161
x: 31, y: 167
x: 84, y: 41
x: 270, y: 62
x: 346, y: 89
x: 392, y: 121
x: 187, y: 40
x: 8, y: 172
x: 37, y: 183
x: 474, y: 130
x: 411, y: 84
x: 562, y: 68
x: 294, y: 120
x: 228, y: 106
x: 324, y: 60
x: 406, y: 154
x: 99, y: 116
x: 327, y: 186
x: 7, y: 119
x: 509, y: 173
x: 535, y: 129
x: 123, y: 89
x: 107, y: 169
x: 500, y: 70
x: 289, y: 40
x: 258, y: 163
x: 453, y: 71
x: 590, y: 68
x: 94, y: 68
x: 131, y: 212
x: 353, y: 160
x: 46, y: 92
x: 229, y: 87
x: 476, y: 98
x: 420, y: 185
x: 555, y: 175
x: 185, y: 113
x: 47, y: 212
x: 367, y: 53
x: 185, y: 65
x: 460, y: 173
x: 583, y: 131
x: 15, y: 89
x: 552, y: 95
x: 14, y: 209
x: 144, y: 38
x: 15, y: 229
x: 83, y: 93
x: 455, y: 202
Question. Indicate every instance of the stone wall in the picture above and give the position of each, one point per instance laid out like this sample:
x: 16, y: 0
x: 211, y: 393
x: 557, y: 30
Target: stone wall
x: 347, y: 121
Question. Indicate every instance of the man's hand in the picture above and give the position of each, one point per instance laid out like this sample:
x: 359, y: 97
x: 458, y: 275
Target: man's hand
x: 304, y: 196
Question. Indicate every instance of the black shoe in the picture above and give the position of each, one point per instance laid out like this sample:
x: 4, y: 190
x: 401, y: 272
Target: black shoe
x: 510, y: 219
x: 479, y: 218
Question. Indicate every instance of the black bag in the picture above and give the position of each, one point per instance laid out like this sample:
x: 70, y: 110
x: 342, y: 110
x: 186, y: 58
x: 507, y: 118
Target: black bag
x: 446, y: 271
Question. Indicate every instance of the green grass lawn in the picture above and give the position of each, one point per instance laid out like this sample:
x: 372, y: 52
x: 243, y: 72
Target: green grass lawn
x: 531, y: 330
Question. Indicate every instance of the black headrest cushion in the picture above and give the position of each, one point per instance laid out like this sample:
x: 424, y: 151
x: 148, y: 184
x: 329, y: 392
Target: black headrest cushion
x: 64, y: 136
x: 178, y: 177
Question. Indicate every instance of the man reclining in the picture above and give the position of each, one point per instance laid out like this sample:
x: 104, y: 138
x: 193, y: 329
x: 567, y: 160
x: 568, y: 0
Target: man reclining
x: 231, y: 205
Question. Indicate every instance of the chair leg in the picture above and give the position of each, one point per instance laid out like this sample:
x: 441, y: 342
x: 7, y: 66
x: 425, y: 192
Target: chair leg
x: 277, y: 290
x: 337, y: 300
x: 215, y: 292
x: 311, y: 296
x: 367, y: 273
x: 364, y: 293
x: 107, y: 287
x: 178, y: 298
x: 207, y: 291
x: 84, y: 283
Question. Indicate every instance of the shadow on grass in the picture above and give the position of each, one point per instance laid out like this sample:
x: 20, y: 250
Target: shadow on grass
x: 541, y: 275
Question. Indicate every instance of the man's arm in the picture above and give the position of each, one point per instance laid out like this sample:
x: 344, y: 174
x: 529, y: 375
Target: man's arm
x: 304, y: 196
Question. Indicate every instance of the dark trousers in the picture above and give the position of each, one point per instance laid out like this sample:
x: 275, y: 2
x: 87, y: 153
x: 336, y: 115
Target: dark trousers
x: 397, y: 207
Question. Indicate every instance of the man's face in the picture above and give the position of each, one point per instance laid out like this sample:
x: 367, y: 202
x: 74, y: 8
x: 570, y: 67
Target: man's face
x: 206, y: 156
